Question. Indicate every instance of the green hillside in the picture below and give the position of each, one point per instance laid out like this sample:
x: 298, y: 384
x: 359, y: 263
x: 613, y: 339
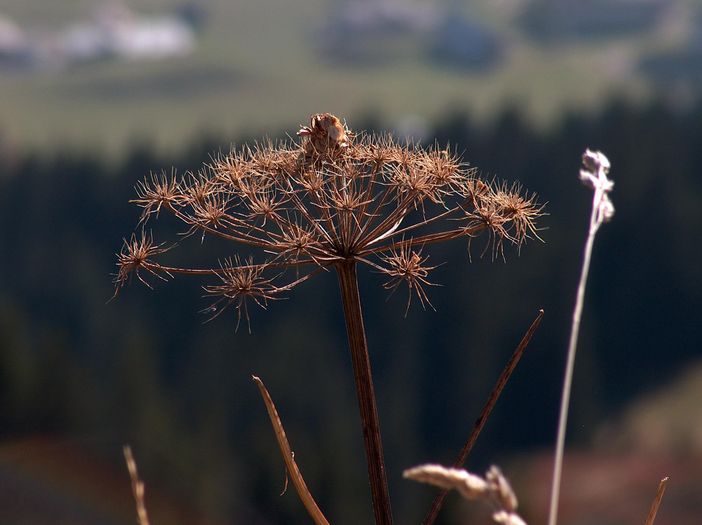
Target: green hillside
x: 258, y: 66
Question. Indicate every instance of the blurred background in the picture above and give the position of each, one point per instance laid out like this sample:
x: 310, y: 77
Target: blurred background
x: 95, y: 95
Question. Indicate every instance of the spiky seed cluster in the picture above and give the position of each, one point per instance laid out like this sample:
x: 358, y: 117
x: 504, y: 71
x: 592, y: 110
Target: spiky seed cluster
x: 330, y: 197
x: 240, y: 282
x: 136, y: 255
x: 404, y: 265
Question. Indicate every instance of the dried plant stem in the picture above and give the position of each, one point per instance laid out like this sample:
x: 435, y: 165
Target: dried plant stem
x: 485, y: 413
x: 137, y: 486
x: 595, y: 222
x: 348, y: 284
x: 305, y: 496
x: 656, y: 502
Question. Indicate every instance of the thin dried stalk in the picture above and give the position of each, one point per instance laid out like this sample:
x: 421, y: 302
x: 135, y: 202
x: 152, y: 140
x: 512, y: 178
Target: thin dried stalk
x: 348, y: 284
x: 594, y: 174
x: 137, y: 486
x: 656, y: 501
x: 289, y: 457
x: 484, y: 414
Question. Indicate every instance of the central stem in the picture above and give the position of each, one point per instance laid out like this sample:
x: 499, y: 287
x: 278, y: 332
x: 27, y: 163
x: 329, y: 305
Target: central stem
x: 348, y: 284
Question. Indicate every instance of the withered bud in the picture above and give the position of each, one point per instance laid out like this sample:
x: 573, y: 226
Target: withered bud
x: 325, y: 132
x: 594, y: 161
x: 594, y: 175
x: 595, y: 169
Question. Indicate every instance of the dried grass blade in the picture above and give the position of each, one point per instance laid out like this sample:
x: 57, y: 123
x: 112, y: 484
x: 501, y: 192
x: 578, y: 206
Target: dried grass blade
x: 485, y: 413
x: 288, y: 456
x: 657, y: 501
x: 137, y: 486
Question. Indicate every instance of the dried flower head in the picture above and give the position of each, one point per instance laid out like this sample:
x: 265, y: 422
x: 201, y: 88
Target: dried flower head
x: 470, y: 486
x: 331, y: 198
x: 240, y: 282
x: 594, y: 175
x: 493, y: 489
x: 155, y: 192
x: 136, y: 255
x: 404, y: 265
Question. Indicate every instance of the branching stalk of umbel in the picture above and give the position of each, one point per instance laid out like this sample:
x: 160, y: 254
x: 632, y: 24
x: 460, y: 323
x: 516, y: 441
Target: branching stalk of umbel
x: 332, y: 200
x: 594, y: 175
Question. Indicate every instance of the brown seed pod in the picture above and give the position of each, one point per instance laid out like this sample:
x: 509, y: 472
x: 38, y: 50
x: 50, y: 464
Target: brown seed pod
x: 325, y: 132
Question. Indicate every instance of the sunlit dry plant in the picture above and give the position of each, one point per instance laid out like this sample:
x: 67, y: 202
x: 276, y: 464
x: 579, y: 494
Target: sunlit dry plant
x: 136, y: 255
x: 238, y: 284
x: 330, y: 200
x: 493, y: 489
x: 404, y: 265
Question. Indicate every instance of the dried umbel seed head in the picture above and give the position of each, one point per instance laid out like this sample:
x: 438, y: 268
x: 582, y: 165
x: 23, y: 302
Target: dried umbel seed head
x: 329, y: 199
